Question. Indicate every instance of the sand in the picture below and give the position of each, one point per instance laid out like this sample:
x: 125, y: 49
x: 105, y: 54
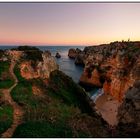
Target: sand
x: 107, y: 107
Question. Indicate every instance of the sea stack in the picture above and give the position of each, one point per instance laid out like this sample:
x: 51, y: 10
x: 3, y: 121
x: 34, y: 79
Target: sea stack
x: 58, y: 55
x: 72, y: 53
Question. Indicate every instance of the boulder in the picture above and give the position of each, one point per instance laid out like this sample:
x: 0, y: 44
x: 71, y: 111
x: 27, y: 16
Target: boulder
x: 58, y: 55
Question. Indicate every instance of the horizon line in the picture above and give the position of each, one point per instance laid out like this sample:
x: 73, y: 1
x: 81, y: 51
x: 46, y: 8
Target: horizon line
x: 40, y: 45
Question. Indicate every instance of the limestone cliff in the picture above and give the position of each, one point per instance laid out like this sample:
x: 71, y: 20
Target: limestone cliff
x: 114, y: 66
x: 41, y: 69
x: 33, y: 63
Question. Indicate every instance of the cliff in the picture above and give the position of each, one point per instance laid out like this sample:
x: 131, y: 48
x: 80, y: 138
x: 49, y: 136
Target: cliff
x: 44, y: 102
x: 114, y: 67
x: 38, y: 69
x: 128, y: 113
x: 33, y: 63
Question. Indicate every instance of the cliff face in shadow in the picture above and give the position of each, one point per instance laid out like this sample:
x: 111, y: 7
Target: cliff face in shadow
x: 114, y: 66
x: 128, y: 113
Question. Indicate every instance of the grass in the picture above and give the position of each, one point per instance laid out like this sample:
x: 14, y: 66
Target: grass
x: 68, y: 91
x: 49, y: 115
x: 17, y: 73
x: 65, y: 90
x: 22, y: 93
x: 6, y: 117
x: 42, y: 130
x: 4, y: 66
x: 46, y: 116
x: 6, y: 81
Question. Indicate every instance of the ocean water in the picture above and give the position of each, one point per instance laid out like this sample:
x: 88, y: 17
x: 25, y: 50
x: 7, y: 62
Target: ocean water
x: 65, y: 63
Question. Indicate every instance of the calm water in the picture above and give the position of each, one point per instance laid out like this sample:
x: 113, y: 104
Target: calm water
x: 65, y: 64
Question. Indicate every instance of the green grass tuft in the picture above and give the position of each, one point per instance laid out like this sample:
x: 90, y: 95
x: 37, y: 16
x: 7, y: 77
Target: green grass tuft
x: 6, y: 117
x: 42, y: 130
x: 6, y: 81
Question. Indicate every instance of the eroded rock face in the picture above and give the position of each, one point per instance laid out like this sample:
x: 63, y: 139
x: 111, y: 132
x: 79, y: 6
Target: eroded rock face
x: 72, y: 53
x: 129, y: 112
x: 78, y: 55
x: 80, y: 58
x: 93, y: 79
x: 114, y: 66
x: 15, y: 55
x: 41, y: 69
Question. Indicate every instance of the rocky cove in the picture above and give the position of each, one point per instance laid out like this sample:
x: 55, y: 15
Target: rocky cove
x: 51, y: 99
x: 115, y: 69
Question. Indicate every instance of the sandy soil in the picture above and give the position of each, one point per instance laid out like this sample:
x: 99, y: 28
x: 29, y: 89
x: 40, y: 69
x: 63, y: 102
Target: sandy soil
x: 107, y: 107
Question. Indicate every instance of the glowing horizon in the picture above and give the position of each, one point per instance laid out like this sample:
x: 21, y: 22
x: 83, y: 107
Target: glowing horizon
x: 68, y: 23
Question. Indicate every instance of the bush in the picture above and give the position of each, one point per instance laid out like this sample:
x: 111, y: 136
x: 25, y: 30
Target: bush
x: 33, y: 55
x: 22, y: 93
x: 42, y: 130
x: 6, y: 81
x: 1, y: 53
x: 6, y: 117
x: 17, y: 73
x: 25, y: 48
x: 68, y: 91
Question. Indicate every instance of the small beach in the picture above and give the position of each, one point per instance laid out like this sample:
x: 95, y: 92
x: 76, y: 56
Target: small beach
x: 107, y: 107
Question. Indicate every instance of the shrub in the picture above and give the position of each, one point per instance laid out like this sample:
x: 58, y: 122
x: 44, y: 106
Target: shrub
x: 6, y: 117
x: 42, y: 130
x: 6, y: 81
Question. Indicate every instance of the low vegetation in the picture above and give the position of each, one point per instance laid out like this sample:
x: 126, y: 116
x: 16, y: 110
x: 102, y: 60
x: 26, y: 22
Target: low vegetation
x: 6, y: 79
x: 6, y: 116
x: 30, y: 53
x: 1, y: 53
x: 25, y: 48
x: 52, y: 113
x: 22, y: 93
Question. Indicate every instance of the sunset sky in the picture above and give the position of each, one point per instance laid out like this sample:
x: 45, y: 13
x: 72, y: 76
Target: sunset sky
x: 68, y: 23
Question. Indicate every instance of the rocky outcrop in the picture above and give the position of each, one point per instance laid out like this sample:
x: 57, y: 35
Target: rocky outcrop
x: 72, y: 53
x: 80, y: 58
x: 114, y: 66
x: 129, y: 113
x: 14, y: 54
x: 33, y: 63
x: 58, y: 55
x: 78, y: 55
x: 92, y: 79
x: 40, y: 69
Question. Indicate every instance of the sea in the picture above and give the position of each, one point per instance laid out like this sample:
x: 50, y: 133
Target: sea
x: 66, y: 64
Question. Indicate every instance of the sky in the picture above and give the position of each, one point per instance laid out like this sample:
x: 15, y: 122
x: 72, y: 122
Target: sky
x: 68, y: 23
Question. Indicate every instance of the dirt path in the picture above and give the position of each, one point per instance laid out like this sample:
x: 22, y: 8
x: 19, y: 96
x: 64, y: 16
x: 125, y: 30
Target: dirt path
x: 18, y: 112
